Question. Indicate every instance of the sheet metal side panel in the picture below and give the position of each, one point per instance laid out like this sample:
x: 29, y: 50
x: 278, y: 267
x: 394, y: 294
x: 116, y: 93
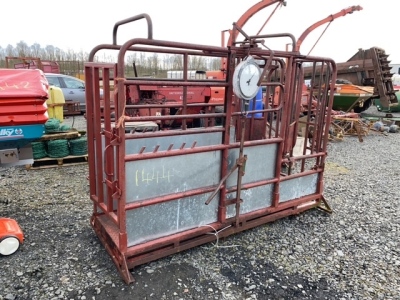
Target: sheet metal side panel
x: 155, y: 221
x: 261, y: 197
x: 171, y: 174
x: 253, y: 199
x: 260, y: 164
x: 146, y: 179
x: 298, y: 187
x: 168, y: 175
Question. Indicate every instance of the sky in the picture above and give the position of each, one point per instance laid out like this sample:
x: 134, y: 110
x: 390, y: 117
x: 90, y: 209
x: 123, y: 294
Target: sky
x: 81, y: 25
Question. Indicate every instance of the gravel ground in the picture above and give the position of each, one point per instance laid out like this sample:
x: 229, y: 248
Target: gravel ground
x: 353, y: 253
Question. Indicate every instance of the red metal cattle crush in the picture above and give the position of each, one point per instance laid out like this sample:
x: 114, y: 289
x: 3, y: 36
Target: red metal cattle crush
x: 168, y: 172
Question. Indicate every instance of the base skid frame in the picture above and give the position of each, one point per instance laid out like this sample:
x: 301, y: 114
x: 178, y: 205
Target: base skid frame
x: 125, y: 262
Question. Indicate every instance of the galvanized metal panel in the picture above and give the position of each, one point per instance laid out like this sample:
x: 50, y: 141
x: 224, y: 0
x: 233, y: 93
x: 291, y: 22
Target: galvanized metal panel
x: 253, y: 199
x: 260, y: 165
x: 151, y: 222
x: 298, y: 187
x: 168, y: 175
x: 172, y: 174
x: 133, y: 146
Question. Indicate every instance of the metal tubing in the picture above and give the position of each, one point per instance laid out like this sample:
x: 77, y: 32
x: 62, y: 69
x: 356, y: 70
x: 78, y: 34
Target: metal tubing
x: 117, y: 207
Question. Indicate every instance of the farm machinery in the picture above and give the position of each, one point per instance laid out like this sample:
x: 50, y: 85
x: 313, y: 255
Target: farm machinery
x: 168, y: 174
x: 366, y: 77
x: 23, y: 113
x: 47, y: 66
x: 364, y: 80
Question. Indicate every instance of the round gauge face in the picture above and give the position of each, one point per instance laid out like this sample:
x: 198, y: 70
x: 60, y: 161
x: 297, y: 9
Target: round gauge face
x: 245, y: 79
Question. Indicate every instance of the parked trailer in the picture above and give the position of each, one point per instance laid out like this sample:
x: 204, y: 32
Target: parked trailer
x: 158, y: 191
x: 47, y: 66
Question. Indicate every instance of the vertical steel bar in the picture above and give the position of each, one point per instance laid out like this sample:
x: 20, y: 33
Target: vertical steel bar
x: 228, y: 106
x: 91, y: 137
x: 119, y: 130
x: 241, y: 162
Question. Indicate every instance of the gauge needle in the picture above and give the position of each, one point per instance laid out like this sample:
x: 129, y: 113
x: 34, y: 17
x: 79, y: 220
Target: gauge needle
x: 248, y: 81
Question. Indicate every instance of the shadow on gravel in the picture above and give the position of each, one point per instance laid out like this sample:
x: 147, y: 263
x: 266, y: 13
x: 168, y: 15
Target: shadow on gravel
x: 175, y: 281
x: 183, y: 281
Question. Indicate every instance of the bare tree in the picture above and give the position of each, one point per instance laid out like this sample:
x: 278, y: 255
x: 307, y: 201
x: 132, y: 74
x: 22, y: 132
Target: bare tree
x: 153, y: 66
x: 23, y: 49
x: 197, y: 63
x: 2, y: 57
x: 165, y: 62
x: 72, y: 62
x: 50, y: 52
x: 59, y: 53
x: 177, y: 62
x: 36, y: 50
x: 10, y: 51
x: 214, y: 64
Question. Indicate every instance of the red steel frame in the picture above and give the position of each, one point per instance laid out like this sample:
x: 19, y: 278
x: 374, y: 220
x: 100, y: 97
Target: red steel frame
x: 277, y: 129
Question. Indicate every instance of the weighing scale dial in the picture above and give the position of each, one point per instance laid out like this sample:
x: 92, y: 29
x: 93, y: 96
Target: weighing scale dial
x: 245, y: 79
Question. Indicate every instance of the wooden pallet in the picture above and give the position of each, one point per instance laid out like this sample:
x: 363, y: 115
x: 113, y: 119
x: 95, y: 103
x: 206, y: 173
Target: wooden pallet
x: 72, y: 134
x: 50, y: 162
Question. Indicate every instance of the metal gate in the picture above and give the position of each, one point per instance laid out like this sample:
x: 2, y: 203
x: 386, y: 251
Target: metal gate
x: 166, y: 174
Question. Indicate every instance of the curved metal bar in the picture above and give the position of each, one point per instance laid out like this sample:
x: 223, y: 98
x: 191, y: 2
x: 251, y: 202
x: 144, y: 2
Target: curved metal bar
x: 161, y: 43
x: 101, y: 47
x: 248, y: 14
x: 330, y: 18
x: 132, y: 19
x: 146, y: 49
x: 276, y: 35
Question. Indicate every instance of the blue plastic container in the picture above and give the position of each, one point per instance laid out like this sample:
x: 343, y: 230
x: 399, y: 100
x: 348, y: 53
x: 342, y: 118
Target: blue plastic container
x: 256, y: 104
